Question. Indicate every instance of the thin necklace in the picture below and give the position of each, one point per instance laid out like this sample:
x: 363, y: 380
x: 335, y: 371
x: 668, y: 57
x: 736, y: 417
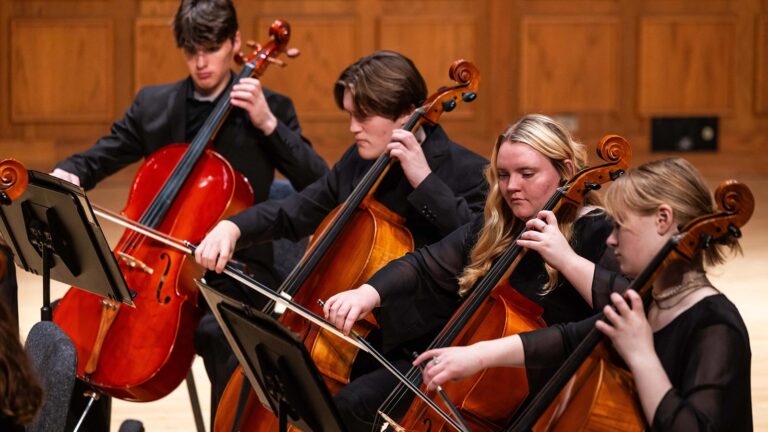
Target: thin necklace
x: 687, y: 288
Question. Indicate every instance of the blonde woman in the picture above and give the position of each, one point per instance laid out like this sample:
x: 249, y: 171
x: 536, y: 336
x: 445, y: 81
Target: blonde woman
x: 416, y: 295
x: 690, y: 355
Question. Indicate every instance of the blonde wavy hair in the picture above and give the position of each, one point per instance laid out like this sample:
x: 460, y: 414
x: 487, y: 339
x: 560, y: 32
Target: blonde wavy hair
x: 674, y: 182
x: 501, y: 226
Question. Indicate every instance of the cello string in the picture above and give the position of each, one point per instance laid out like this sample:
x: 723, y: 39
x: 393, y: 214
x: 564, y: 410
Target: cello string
x: 236, y: 274
x: 489, y: 281
x: 301, y: 272
x: 473, y: 302
x: 160, y: 205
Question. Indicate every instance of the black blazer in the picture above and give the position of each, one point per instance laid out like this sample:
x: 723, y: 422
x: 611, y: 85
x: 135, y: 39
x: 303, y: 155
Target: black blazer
x: 445, y: 200
x: 158, y: 116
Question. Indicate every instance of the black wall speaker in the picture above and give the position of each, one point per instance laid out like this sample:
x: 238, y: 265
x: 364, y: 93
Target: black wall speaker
x: 684, y: 133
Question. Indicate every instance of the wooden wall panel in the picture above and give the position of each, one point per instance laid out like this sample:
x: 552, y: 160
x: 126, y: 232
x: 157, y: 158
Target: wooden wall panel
x: 608, y: 64
x: 157, y: 60
x: 61, y: 70
x: 569, y: 64
x: 761, y: 69
x: 433, y: 48
x: 308, y: 79
x: 686, y: 65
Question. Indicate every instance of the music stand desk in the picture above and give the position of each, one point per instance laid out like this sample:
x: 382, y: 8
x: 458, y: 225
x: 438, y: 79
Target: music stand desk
x: 52, y: 230
x: 277, y: 365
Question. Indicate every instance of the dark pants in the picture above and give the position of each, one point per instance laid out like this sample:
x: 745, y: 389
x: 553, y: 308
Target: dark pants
x: 359, y: 401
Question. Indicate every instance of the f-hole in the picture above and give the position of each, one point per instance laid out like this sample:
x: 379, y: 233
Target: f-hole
x: 428, y: 423
x: 163, y: 256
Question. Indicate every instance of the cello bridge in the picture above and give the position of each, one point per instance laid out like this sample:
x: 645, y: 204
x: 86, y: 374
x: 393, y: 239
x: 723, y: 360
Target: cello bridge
x: 391, y: 423
x: 135, y: 263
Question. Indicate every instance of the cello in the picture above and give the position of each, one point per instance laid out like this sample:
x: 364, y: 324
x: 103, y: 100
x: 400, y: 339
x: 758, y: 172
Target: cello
x: 597, y: 394
x: 142, y: 354
x: 368, y: 235
x: 494, y: 309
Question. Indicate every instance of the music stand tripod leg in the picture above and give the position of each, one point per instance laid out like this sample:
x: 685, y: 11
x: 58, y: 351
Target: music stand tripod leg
x: 194, y: 400
x: 92, y: 397
x: 283, y: 415
x: 45, y: 310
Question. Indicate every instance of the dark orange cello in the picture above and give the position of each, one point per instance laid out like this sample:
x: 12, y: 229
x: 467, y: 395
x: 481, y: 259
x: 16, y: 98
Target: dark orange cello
x: 367, y: 235
x: 181, y: 190
x: 494, y: 309
x: 598, y: 395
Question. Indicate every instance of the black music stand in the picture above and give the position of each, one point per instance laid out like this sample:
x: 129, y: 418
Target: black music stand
x: 277, y: 365
x: 52, y: 231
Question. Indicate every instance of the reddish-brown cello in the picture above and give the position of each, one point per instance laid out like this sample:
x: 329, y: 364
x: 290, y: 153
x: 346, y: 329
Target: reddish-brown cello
x: 598, y: 395
x: 351, y: 244
x: 494, y: 309
x: 142, y: 354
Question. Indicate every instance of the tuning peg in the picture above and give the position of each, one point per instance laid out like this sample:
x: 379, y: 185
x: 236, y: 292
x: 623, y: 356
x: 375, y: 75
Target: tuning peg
x: 593, y: 186
x: 468, y: 96
x: 449, y: 105
x: 734, y: 231
x: 616, y: 174
x: 292, y: 52
x: 276, y: 61
x: 253, y: 45
x: 240, y: 58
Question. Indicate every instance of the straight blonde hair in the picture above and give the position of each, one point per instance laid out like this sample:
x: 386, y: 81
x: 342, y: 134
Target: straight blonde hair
x: 501, y: 226
x: 674, y: 182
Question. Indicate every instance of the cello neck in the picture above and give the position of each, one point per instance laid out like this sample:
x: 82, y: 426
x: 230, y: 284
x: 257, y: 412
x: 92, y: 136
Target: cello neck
x: 506, y: 262
x: 253, y: 66
x: 552, y: 388
x: 162, y: 202
x: 365, y: 188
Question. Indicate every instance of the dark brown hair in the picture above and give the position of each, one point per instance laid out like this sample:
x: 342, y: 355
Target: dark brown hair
x: 204, y: 23
x: 384, y: 83
x: 20, y: 394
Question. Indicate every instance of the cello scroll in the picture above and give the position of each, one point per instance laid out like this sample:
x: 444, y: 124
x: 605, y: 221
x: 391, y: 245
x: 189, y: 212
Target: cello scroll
x: 13, y: 180
x: 736, y: 204
x: 263, y: 56
x: 617, y: 153
x: 466, y: 74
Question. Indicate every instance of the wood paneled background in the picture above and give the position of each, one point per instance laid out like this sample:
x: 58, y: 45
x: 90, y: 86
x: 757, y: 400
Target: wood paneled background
x: 68, y: 68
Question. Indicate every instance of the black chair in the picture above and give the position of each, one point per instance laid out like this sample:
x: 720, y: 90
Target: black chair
x: 54, y: 357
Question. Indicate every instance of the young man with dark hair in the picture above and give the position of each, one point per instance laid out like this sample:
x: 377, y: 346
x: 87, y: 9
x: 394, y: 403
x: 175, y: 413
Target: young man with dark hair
x: 260, y: 135
x: 436, y: 186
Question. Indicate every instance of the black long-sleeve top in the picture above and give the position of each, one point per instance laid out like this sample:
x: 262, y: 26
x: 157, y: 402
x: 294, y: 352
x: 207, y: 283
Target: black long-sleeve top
x: 445, y: 200
x: 705, y: 353
x: 169, y: 113
x: 419, y: 292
